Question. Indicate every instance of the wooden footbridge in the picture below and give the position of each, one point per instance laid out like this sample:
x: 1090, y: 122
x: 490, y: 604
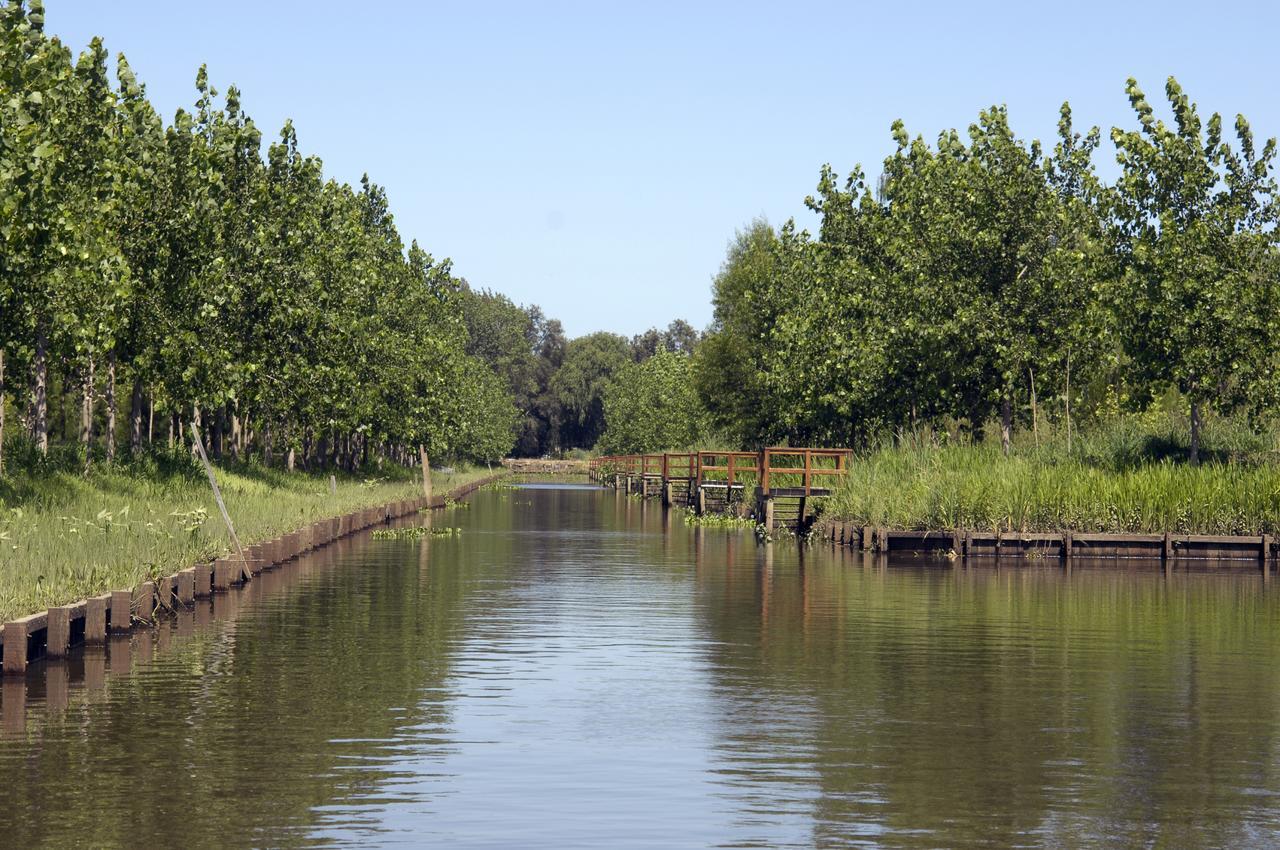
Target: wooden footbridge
x: 775, y: 485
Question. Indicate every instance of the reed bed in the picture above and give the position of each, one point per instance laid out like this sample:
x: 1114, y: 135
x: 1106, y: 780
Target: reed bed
x: 977, y: 487
x: 65, y: 536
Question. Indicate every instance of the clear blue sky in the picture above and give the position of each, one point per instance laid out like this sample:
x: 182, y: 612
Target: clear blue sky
x: 596, y: 158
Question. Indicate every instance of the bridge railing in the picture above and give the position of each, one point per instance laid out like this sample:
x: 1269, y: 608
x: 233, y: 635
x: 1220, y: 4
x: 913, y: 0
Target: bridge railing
x: 680, y: 466
x: 729, y: 468
x: 802, y: 471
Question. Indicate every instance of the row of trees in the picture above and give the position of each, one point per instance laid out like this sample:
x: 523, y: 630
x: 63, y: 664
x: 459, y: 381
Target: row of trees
x: 980, y: 275
x: 172, y: 274
x: 560, y: 386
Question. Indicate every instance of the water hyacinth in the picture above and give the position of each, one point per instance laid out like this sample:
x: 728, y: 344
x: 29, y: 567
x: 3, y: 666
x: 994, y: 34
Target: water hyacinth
x: 415, y: 532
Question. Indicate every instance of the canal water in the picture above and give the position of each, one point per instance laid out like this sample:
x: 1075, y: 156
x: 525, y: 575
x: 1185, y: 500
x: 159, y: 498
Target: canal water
x: 577, y: 669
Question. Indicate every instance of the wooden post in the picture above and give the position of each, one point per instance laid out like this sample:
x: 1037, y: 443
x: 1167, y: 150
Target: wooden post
x: 221, y: 575
x: 95, y: 618
x: 426, y: 472
x: 187, y: 586
x: 146, y: 601
x: 121, y: 613
x: 217, y: 494
x: 166, y: 587
x: 58, y: 631
x: 768, y: 515
x: 203, y: 586
x: 868, y: 537
x: 16, y: 635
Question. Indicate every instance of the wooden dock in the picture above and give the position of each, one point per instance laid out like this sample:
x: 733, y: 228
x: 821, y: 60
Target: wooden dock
x: 777, y: 485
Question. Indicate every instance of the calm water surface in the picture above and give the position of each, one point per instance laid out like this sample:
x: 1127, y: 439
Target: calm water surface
x: 579, y: 670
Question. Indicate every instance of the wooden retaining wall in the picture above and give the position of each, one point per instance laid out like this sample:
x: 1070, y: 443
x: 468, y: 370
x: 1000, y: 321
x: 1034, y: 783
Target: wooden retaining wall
x: 54, y: 632
x: 968, y: 544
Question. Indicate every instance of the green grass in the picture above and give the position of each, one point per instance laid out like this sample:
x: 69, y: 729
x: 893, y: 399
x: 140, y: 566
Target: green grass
x: 64, y: 536
x: 977, y: 487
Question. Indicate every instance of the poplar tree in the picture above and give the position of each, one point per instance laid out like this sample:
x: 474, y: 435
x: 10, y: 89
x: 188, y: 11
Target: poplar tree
x: 1195, y: 221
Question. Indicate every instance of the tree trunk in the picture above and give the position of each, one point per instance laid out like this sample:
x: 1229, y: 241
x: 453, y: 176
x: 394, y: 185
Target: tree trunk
x: 151, y: 418
x: 233, y: 417
x: 426, y: 473
x: 1068, y: 397
x: 195, y: 421
x: 40, y: 394
x: 266, y: 442
x: 1, y: 411
x: 1035, y: 429
x: 86, y: 415
x: 1006, y: 421
x: 1195, y: 432
x: 135, y: 418
x: 111, y: 407
x: 290, y: 462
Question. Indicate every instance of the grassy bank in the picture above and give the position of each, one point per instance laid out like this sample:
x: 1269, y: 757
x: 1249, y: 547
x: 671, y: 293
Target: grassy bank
x: 1050, y: 490
x: 64, y: 536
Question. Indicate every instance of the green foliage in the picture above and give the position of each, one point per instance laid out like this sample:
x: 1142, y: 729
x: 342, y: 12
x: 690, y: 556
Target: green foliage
x: 982, y: 277
x: 64, y: 536
x: 691, y: 517
x: 416, y: 532
x: 1195, y: 222
x: 590, y: 366
x: 249, y: 295
x: 524, y: 348
x: 1124, y: 476
x: 652, y: 406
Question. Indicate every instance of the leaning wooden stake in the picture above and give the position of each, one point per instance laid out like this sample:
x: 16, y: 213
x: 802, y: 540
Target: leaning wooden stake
x: 426, y: 473
x: 217, y: 496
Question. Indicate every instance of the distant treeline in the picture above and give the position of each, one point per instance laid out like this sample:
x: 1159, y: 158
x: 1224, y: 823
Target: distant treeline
x: 562, y: 386
x: 163, y: 275
x: 983, y: 278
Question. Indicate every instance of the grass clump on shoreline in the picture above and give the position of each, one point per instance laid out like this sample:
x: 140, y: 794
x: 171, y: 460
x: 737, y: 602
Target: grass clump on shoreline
x: 691, y: 517
x: 65, y: 536
x: 415, y: 532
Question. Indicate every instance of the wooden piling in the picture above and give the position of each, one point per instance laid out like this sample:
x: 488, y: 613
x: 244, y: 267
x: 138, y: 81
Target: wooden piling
x: 121, y: 610
x: 95, y: 618
x: 203, y: 586
x: 17, y: 634
x: 222, y: 573
x: 187, y: 586
x: 146, y: 602
x: 57, y: 633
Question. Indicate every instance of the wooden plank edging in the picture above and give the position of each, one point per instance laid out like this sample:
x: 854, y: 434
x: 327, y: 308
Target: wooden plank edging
x: 116, y: 611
